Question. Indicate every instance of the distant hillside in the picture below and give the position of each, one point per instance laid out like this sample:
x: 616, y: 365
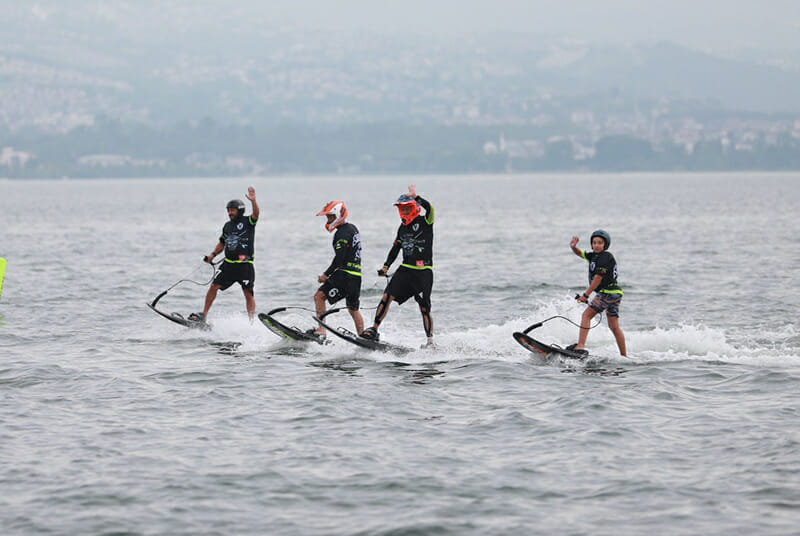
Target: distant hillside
x: 173, y: 60
x: 668, y: 70
x: 182, y: 87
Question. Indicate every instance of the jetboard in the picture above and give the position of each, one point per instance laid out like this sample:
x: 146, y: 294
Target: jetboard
x: 287, y: 332
x: 179, y: 319
x: 538, y: 347
x: 369, y: 344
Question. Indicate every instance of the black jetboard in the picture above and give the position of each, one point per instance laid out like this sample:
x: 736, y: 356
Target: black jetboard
x: 179, y: 319
x: 538, y: 347
x: 369, y: 344
x: 282, y: 330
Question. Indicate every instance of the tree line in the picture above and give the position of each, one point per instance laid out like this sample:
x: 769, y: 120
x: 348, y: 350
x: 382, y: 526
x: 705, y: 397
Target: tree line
x: 209, y: 148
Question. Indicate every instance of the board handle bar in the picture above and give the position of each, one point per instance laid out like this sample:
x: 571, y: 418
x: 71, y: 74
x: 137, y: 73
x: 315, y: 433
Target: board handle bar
x: 539, y: 324
x: 155, y: 301
x: 213, y: 267
x: 281, y: 309
x: 330, y: 312
x: 533, y: 326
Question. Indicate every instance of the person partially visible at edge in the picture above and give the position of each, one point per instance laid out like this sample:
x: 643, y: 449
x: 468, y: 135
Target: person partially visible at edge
x: 414, y: 277
x: 603, y: 282
x: 342, y: 279
x: 238, y: 240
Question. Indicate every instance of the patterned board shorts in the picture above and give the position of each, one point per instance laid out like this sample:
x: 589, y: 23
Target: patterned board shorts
x: 609, y: 303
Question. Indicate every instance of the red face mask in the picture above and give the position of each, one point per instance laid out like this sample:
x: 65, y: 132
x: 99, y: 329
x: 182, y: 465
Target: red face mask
x: 408, y: 212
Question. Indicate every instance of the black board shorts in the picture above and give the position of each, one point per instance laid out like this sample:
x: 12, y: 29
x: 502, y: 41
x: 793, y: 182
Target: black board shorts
x: 407, y: 282
x: 243, y: 273
x: 343, y: 285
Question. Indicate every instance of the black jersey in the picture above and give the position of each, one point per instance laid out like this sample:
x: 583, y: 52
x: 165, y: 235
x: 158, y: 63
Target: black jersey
x: 416, y: 241
x: 239, y: 237
x: 605, y: 265
x: 347, y: 249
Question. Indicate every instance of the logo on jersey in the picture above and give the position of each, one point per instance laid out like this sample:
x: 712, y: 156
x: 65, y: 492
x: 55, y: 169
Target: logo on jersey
x: 411, y: 243
x: 240, y: 226
x: 357, y: 247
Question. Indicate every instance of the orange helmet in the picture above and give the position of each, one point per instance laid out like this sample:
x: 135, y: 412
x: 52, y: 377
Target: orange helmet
x: 335, y: 209
x: 408, y: 208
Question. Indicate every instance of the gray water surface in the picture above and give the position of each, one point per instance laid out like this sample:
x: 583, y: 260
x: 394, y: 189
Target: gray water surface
x: 115, y: 421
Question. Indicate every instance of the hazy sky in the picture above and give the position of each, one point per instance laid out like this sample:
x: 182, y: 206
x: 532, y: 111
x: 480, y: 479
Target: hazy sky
x: 698, y: 23
x: 711, y: 25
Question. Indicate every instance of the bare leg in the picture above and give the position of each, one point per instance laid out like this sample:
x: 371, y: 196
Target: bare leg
x: 319, y: 307
x: 358, y: 320
x: 586, y: 320
x: 250, y: 300
x: 210, y: 297
x: 613, y: 325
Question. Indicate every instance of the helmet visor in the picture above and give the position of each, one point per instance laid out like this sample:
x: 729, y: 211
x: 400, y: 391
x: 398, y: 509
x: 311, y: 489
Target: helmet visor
x: 406, y: 210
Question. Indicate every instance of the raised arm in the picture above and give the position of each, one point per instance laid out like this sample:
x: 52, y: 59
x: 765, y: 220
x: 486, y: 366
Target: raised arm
x: 574, y: 245
x: 251, y: 195
x: 424, y: 203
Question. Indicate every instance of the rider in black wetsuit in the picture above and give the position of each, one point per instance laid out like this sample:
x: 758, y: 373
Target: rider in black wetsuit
x: 342, y: 279
x: 238, y: 241
x: 414, y: 277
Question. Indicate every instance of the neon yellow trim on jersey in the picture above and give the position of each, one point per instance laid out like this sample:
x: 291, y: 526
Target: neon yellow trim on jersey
x: 237, y: 262
x: 417, y: 267
x: 2, y: 273
x: 429, y: 215
x: 618, y: 291
x: 352, y: 273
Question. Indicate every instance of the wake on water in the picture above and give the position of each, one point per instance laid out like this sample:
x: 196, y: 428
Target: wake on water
x: 494, y: 341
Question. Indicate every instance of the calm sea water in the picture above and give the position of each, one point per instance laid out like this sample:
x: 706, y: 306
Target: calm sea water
x: 115, y: 421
